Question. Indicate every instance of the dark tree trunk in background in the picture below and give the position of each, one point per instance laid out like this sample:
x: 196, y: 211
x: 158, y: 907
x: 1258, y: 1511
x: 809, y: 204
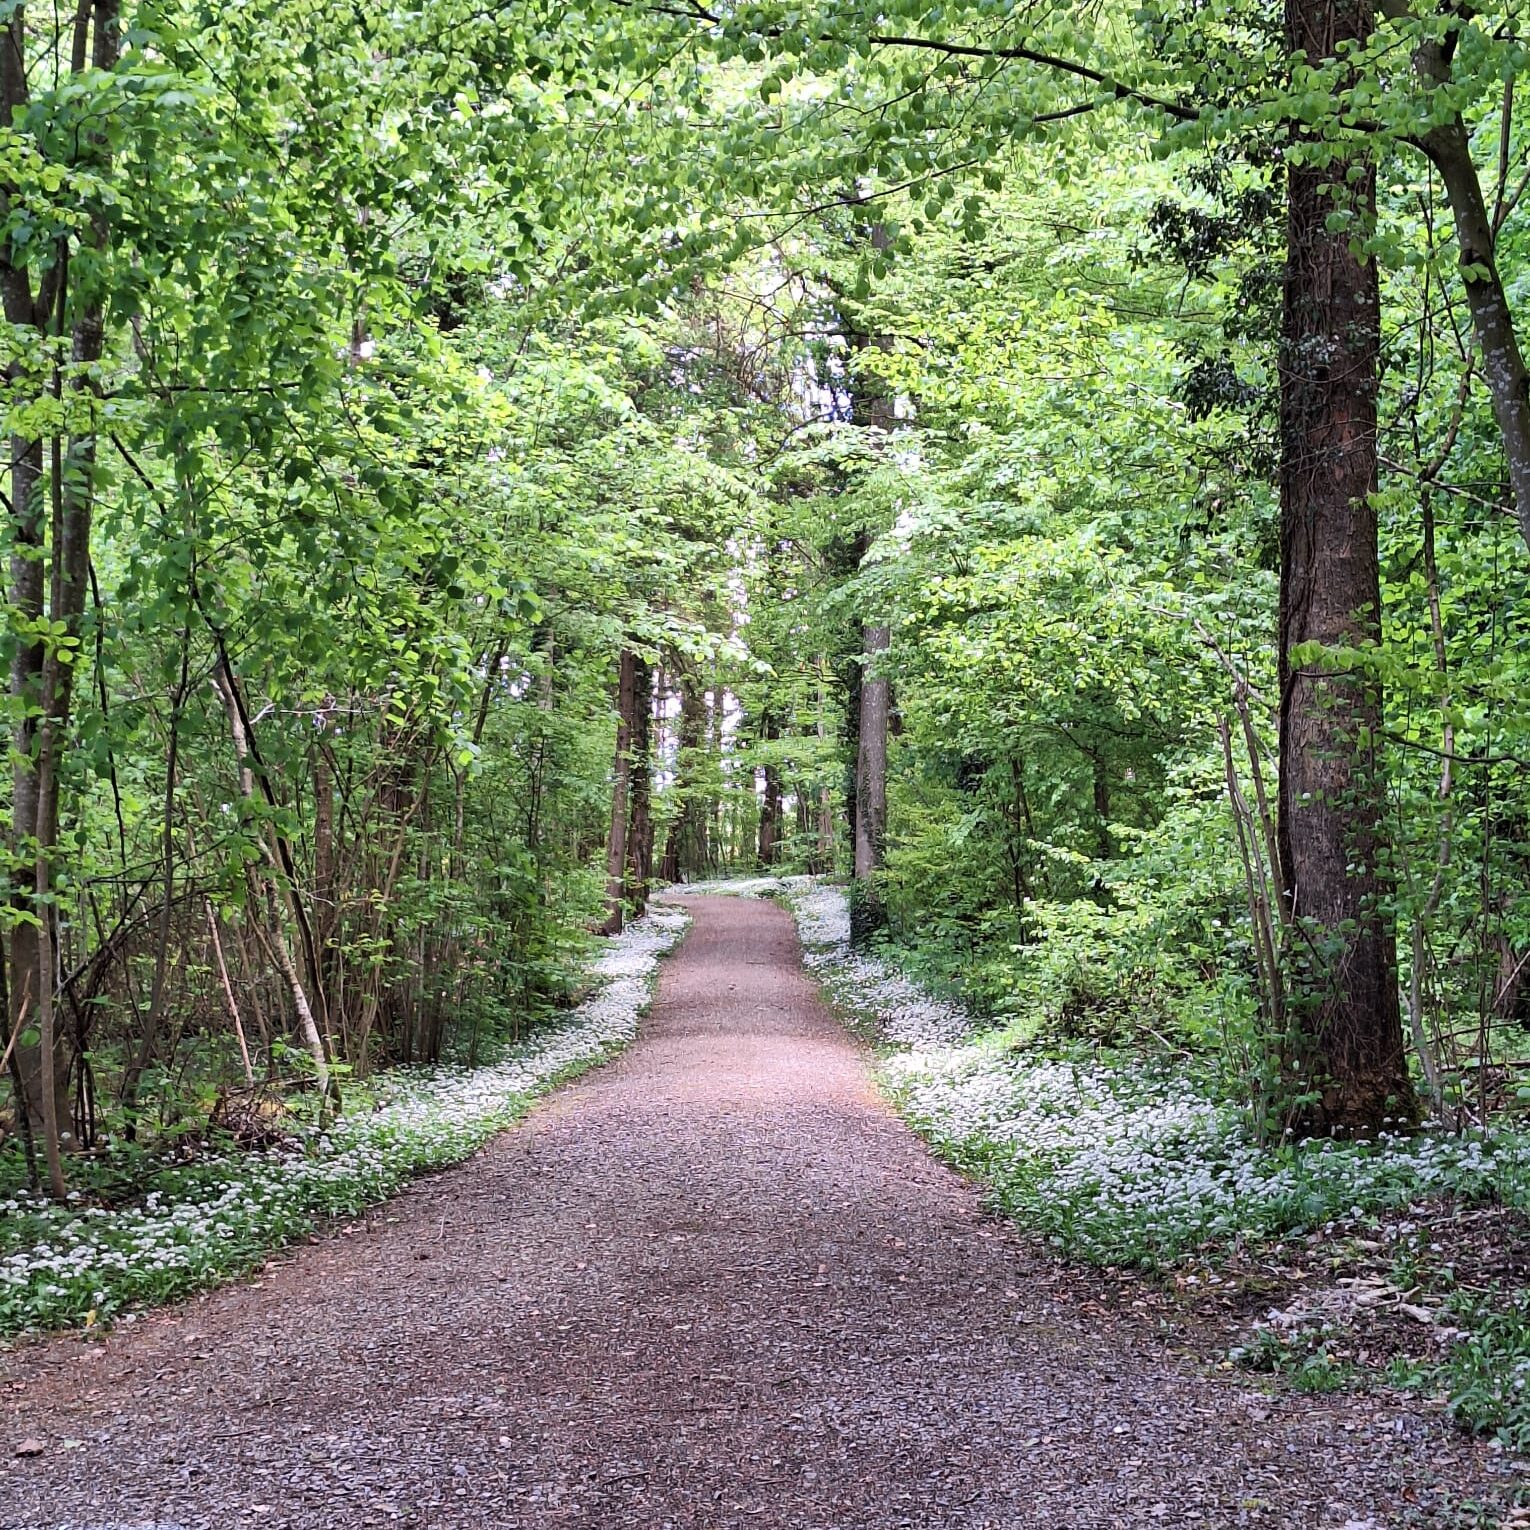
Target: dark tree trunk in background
x: 852, y: 670
x: 691, y: 852
x: 1342, y: 965
x: 715, y: 847
x: 640, y: 826
x: 621, y: 774
x: 768, y: 850
x: 669, y: 862
x: 867, y: 912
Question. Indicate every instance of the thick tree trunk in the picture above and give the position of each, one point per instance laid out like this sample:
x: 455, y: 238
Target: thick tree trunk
x: 768, y: 841
x: 871, y: 763
x: 36, y: 1075
x: 616, y: 839
x: 1342, y: 964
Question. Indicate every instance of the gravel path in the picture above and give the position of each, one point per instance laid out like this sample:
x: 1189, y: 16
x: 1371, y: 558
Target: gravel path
x: 716, y: 1285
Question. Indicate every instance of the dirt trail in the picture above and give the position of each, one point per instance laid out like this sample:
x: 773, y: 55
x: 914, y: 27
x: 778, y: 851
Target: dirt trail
x: 715, y: 1285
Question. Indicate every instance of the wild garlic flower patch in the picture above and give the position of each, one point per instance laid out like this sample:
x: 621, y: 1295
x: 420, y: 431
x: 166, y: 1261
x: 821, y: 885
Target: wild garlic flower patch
x: 902, y: 1013
x: 1121, y: 1165
x: 823, y: 922
x: 80, y: 1265
x: 1118, y: 1162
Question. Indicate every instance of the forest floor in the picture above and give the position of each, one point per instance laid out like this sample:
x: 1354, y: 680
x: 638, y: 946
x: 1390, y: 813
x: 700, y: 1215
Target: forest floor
x: 716, y: 1284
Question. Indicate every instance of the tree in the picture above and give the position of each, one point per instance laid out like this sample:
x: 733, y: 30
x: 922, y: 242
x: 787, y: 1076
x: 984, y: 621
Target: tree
x: 1332, y: 793
x: 621, y: 791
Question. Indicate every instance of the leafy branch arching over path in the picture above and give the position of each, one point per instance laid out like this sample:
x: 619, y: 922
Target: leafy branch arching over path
x: 716, y: 1284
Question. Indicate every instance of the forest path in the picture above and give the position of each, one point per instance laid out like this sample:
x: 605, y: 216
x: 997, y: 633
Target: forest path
x: 714, y: 1285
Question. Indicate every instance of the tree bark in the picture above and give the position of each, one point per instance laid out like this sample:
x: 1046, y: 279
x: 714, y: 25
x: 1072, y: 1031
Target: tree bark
x: 873, y: 409
x: 685, y: 849
x: 1349, y: 1053
x: 640, y: 826
x: 867, y: 911
x: 616, y: 840
x: 768, y: 843
x: 41, y: 680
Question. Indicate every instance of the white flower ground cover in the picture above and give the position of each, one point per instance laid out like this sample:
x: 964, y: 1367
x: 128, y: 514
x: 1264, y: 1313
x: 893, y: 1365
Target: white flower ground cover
x: 67, y: 1266
x: 1120, y: 1164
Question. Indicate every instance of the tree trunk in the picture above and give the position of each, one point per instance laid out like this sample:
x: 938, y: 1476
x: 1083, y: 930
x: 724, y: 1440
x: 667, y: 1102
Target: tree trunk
x: 42, y: 681
x: 36, y: 1076
x: 1349, y: 1054
x: 28, y: 583
x: 825, y: 849
x: 1503, y: 365
x: 872, y: 408
x: 768, y: 844
x: 616, y: 841
x: 714, y: 845
x: 1448, y: 147
x: 867, y: 912
x: 685, y: 852
x: 640, y: 826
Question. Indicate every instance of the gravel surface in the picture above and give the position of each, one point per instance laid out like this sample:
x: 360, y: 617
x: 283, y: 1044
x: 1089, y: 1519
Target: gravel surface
x: 715, y: 1285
